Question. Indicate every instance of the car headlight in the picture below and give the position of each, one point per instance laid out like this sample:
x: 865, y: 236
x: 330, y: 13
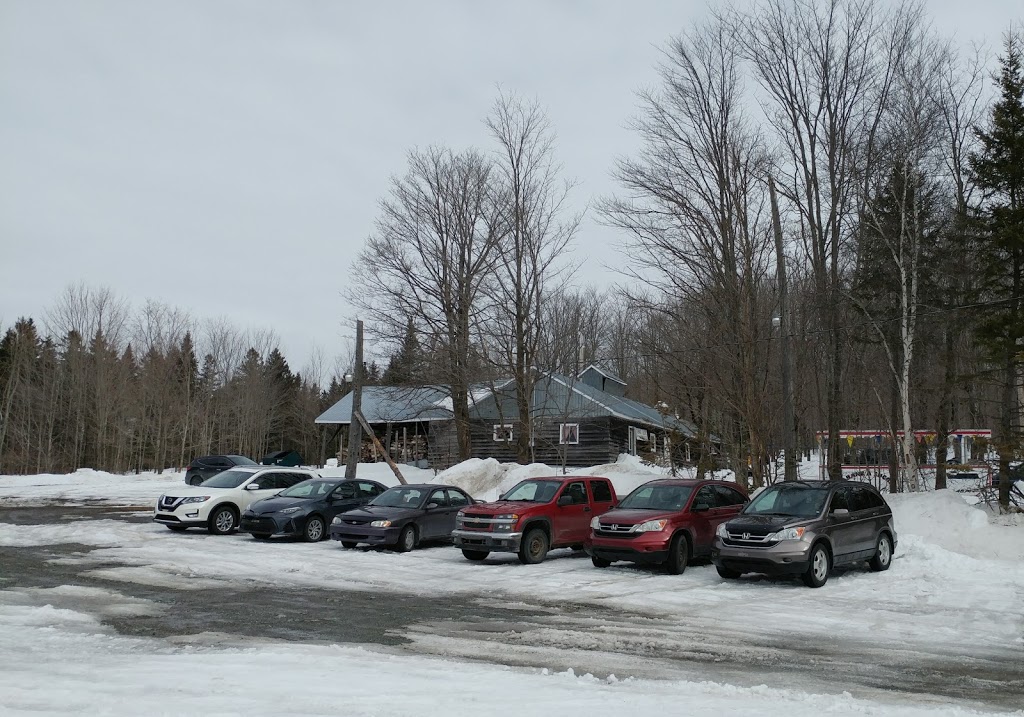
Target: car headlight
x: 289, y: 511
x: 460, y: 515
x: 380, y: 524
x: 337, y: 520
x: 651, y: 526
x: 595, y: 524
x: 196, y: 499
x: 788, y: 534
x: 721, y: 532
x: 507, y: 516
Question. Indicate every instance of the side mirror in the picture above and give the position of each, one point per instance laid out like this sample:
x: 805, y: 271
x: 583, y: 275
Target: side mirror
x: 253, y: 486
x: 840, y: 512
x: 432, y: 505
x: 700, y: 508
x: 501, y: 497
x: 564, y: 500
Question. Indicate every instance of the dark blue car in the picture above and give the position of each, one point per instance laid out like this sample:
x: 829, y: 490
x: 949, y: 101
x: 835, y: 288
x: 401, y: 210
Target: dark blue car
x: 307, y: 508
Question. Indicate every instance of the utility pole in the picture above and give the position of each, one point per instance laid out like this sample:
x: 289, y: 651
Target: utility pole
x: 788, y: 421
x: 355, y: 430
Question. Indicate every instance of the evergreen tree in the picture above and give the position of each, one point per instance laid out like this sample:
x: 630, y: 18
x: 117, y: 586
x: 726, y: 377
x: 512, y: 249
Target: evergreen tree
x: 999, y: 171
x: 405, y: 366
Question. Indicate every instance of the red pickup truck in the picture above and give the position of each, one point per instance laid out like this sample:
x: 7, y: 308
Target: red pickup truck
x: 535, y: 516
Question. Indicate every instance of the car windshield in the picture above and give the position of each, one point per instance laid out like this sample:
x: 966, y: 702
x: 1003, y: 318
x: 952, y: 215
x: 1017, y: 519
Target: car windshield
x: 310, y: 489
x: 534, y: 491
x: 798, y: 501
x: 400, y: 498
x: 228, y: 479
x: 657, y: 497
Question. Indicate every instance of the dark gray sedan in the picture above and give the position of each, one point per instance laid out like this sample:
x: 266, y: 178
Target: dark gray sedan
x: 402, y: 517
x: 307, y: 508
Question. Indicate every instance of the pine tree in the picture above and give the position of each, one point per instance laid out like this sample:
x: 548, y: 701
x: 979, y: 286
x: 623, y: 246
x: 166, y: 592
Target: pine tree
x: 405, y: 367
x: 999, y: 171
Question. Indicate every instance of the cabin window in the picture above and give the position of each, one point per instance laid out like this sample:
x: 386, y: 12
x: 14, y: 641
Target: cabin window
x: 569, y: 433
x: 503, y: 433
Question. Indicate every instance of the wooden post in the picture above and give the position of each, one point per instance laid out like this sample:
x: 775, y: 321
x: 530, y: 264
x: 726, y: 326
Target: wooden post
x: 355, y: 439
x: 376, y: 443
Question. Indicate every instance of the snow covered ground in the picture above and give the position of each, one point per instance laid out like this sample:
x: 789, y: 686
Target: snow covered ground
x: 955, y: 591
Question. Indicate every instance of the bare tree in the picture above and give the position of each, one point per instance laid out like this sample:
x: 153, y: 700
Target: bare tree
x: 434, y: 249
x: 532, y: 200
x: 825, y: 68
x: 697, y: 215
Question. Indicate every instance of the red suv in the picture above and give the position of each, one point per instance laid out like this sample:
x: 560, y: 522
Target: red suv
x: 535, y: 516
x: 665, y: 522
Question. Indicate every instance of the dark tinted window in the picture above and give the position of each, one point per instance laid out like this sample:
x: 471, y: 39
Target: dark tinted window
x: 346, y: 491
x: 602, y: 491
x: 439, y: 497
x: 287, y: 480
x: 839, y: 500
x: 457, y: 497
x: 368, y: 490
x: 727, y: 496
x: 706, y: 496
x: 860, y: 499
x: 576, y: 491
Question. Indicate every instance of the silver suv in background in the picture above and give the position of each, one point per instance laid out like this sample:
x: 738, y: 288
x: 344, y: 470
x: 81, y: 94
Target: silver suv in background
x: 806, y: 528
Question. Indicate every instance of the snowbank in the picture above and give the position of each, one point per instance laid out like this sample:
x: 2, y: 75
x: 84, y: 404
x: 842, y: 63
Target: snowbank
x: 944, y: 518
x: 88, y: 485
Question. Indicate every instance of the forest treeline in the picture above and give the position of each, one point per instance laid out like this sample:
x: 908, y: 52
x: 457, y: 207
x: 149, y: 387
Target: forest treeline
x: 839, y: 160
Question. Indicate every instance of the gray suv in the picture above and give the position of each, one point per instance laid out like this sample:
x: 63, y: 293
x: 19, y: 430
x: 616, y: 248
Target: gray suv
x: 805, y: 528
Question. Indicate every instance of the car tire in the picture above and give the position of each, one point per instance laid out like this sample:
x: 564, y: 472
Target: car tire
x: 678, y: 555
x: 195, y: 480
x: 534, y: 547
x: 883, y: 554
x: 406, y: 539
x: 177, y: 528
x: 475, y: 554
x: 316, y: 529
x: 817, y: 567
x: 261, y: 536
x: 348, y: 544
x: 600, y: 562
x: 223, y: 520
x: 727, y: 574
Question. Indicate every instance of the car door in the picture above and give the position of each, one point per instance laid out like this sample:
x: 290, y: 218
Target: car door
x: 434, y: 519
x: 730, y: 503
x: 572, y: 521
x: 457, y: 500
x: 269, y: 485
x: 703, y: 505
x: 344, y: 497
x: 839, y: 525
x: 864, y: 512
x: 603, y: 497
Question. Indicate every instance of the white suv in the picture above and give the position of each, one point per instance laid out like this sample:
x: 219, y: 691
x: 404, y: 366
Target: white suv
x: 217, y: 502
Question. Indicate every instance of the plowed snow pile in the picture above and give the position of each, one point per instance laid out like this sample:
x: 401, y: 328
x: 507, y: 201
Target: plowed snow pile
x: 943, y: 518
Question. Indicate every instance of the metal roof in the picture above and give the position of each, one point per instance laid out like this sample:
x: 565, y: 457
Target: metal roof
x: 554, y: 395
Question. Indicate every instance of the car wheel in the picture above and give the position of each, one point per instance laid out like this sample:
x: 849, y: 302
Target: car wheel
x: 475, y: 554
x: 600, y: 562
x: 195, y: 480
x: 883, y: 554
x: 176, y: 528
x: 348, y: 544
x: 261, y: 536
x: 222, y: 521
x: 817, y: 567
x: 315, y: 529
x: 678, y: 555
x: 534, y: 547
x: 407, y: 539
x: 727, y: 574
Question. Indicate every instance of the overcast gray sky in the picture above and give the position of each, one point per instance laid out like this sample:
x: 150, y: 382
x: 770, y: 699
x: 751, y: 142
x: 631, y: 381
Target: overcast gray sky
x: 185, y: 151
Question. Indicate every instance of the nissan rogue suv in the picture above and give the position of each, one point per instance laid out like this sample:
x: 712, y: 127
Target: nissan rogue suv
x: 806, y: 528
x: 219, y: 502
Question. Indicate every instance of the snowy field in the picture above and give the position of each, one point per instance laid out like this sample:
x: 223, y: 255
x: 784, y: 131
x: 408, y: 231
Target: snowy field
x: 955, y: 592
